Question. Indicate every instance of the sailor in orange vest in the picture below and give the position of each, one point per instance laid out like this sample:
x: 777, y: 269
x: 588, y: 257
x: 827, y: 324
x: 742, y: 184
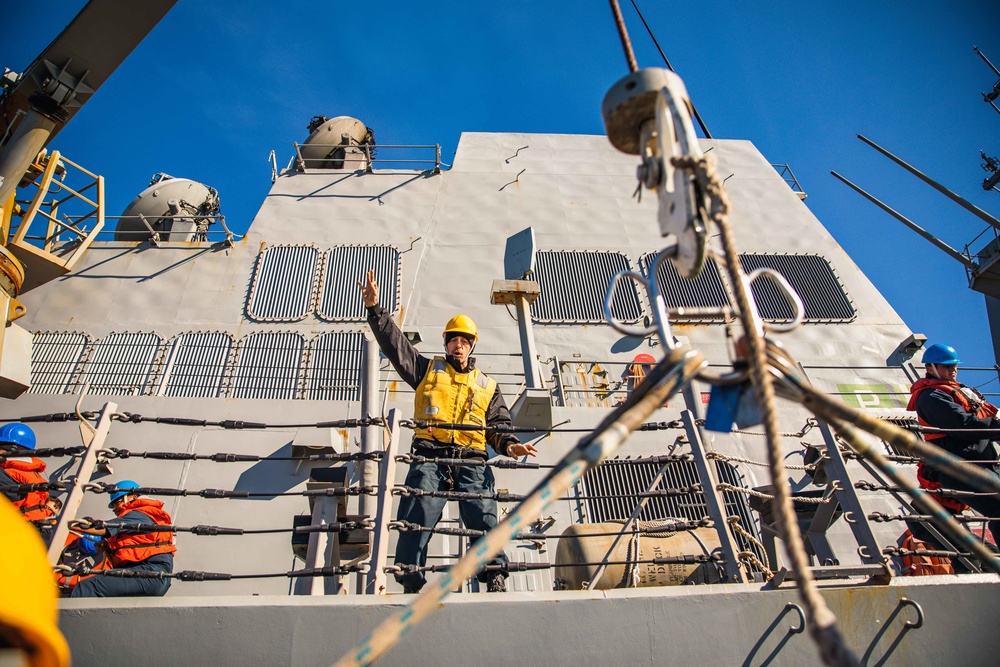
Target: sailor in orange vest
x: 130, y: 549
x: 16, y: 439
x: 449, y: 390
x: 942, y: 402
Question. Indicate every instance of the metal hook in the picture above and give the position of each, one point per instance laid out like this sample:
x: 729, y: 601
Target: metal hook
x: 782, y: 284
x: 79, y: 412
x: 907, y: 602
x: 661, y: 321
x: 802, y: 618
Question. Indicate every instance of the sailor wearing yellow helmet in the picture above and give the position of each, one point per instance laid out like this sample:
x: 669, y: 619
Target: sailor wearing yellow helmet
x: 449, y: 390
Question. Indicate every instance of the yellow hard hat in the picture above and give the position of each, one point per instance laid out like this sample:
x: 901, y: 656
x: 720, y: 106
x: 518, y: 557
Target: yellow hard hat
x: 462, y: 324
x: 28, y: 608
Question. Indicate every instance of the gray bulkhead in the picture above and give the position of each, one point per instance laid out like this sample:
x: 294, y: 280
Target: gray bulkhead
x: 449, y: 229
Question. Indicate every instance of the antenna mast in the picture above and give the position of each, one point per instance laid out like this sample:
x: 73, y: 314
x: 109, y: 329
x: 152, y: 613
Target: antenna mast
x: 993, y: 94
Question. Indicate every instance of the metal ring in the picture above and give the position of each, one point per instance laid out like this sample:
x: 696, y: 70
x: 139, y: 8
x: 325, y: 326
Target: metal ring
x: 727, y: 379
x: 802, y: 618
x: 793, y: 298
x: 609, y: 295
x: 904, y: 602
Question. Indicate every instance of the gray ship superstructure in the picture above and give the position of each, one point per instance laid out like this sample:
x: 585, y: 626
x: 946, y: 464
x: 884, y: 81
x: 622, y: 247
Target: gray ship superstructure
x: 263, y: 336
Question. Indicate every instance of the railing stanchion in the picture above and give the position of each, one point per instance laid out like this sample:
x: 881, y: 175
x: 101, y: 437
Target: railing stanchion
x: 93, y: 439
x: 376, y: 580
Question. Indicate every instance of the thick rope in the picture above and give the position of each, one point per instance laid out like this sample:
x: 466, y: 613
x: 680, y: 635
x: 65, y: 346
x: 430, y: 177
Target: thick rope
x: 718, y: 456
x: 749, y: 556
x: 821, y: 621
x: 722, y: 486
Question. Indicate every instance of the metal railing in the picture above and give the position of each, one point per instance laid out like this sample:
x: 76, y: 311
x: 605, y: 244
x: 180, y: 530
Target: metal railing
x: 786, y: 174
x: 344, y: 154
x: 155, y: 236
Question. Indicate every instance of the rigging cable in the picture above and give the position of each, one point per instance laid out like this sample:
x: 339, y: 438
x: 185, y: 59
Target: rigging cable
x: 822, y: 622
x: 697, y: 116
x: 633, y: 66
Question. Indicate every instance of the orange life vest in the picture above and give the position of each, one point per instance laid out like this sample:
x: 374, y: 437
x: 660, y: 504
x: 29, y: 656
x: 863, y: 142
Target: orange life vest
x: 976, y: 404
x: 71, y: 580
x: 127, y: 548
x: 32, y: 504
x: 918, y: 565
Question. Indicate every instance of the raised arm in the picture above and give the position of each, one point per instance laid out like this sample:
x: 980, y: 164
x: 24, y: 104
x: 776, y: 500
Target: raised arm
x: 409, y: 364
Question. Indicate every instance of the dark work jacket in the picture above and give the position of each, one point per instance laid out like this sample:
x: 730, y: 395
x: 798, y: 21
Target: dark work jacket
x: 939, y: 409
x: 412, y: 367
x: 5, y: 480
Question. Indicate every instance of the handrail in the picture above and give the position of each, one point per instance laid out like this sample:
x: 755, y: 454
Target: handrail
x: 363, y: 152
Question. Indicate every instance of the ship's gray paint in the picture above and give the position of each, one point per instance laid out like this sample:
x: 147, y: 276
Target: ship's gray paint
x: 450, y: 231
x: 703, y: 625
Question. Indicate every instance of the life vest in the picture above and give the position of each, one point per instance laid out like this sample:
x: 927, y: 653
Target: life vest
x: 918, y: 565
x: 448, y: 396
x: 127, y: 548
x: 32, y: 503
x: 927, y: 477
x: 970, y: 400
x: 71, y: 580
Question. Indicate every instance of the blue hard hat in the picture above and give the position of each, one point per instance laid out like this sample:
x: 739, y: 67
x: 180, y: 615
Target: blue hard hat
x: 941, y: 354
x: 124, y: 489
x: 87, y: 544
x: 18, y: 434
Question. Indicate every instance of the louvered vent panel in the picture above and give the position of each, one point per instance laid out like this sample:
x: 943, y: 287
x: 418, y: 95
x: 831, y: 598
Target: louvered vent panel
x: 196, y: 364
x: 573, y: 286
x: 54, y: 358
x: 282, y: 287
x: 267, y: 366
x: 122, y: 364
x: 345, y: 265
x: 705, y: 291
x: 333, y: 372
x: 610, y: 491
x: 811, y: 276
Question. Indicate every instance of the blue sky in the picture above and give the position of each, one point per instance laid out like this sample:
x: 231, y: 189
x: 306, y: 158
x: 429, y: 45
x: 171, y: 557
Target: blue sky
x: 218, y: 85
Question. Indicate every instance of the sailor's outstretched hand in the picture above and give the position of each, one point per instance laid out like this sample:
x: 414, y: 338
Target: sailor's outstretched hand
x: 369, y: 289
x: 521, y: 449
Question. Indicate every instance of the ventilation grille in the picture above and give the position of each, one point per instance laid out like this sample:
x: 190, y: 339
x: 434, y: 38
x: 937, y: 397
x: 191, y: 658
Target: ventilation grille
x: 122, y: 364
x: 267, y: 366
x: 705, y: 291
x: 611, y: 489
x: 334, y: 368
x: 196, y: 365
x: 811, y: 276
x: 54, y: 358
x: 282, y: 287
x: 344, y: 266
x: 573, y: 285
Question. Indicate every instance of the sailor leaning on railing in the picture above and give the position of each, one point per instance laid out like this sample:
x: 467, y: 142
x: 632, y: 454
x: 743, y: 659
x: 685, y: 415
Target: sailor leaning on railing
x: 449, y: 390
x: 942, y: 402
x: 143, y: 552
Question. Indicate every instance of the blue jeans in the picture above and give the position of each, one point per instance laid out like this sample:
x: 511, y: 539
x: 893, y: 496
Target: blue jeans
x: 100, y: 586
x: 411, y: 548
